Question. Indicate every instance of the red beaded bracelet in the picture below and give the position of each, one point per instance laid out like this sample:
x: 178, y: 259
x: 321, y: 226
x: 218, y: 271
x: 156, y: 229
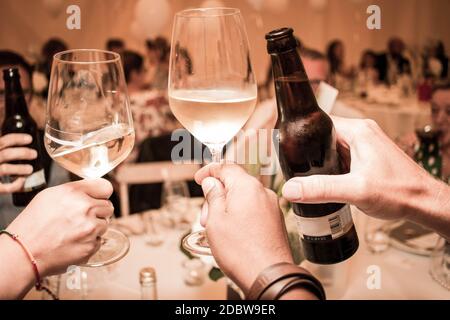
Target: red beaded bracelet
x: 38, y: 285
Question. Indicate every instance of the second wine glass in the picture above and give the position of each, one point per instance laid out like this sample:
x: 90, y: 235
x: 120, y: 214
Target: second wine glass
x: 212, y: 89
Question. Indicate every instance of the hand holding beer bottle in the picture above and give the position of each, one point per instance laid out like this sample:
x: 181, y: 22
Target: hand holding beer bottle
x: 16, y: 124
x: 13, y: 147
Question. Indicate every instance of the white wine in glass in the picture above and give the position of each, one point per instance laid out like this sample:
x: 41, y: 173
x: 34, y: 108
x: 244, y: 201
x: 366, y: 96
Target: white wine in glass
x: 213, y: 116
x: 89, y: 128
x: 94, y: 154
x: 212, y: 89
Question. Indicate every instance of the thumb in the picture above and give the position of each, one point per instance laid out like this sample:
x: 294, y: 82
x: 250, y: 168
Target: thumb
x: 215, y: 198
x: 321, y: 189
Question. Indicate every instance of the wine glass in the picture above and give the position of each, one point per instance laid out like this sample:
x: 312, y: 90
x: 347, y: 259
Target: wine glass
x: 89, y: 128
x: 212, y: 89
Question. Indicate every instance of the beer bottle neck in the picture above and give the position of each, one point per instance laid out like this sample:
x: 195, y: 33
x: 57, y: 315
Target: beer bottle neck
x: 14, y: 98
x: 295, y: 97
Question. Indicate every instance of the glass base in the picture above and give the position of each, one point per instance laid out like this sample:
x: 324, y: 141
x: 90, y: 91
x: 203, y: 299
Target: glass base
x: 197, y: 244
x: 115, y: 246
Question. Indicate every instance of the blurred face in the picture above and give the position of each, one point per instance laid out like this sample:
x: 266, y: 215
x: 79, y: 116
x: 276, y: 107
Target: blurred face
x: 25, y: 81
x: 316, y: 70
x: 339, y: 50
x: 153, y: 57
x: 440, y: 114
x: 138, y: 78
x: 118, y: 50
x: 369, y: 61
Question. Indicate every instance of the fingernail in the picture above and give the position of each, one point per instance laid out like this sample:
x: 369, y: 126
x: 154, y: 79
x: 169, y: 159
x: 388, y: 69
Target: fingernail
x: 34, y: 154
x: 29, y: 169
x: 207, y: 185
x: 292, y: 190
x: 27, y: 139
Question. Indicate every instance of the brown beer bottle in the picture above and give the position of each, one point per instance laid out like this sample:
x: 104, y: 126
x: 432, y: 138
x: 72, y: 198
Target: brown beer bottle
x: 18, y: 120
x: 307, y: 146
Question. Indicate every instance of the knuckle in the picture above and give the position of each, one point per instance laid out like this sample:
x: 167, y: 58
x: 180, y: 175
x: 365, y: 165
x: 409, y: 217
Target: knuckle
x: 85, y: 205
x: 87, y: 229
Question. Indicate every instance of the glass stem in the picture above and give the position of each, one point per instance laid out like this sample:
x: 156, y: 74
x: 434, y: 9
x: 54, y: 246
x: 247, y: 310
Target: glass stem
x: 216, y: 152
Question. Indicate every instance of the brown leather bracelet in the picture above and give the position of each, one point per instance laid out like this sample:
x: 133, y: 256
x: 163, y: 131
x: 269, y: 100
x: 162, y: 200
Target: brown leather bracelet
x: 277, y: 279
x: 276, y: 291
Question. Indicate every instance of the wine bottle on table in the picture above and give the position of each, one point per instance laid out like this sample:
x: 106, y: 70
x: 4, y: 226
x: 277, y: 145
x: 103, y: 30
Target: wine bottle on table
x: 307, y: 146
x: 18, y: 120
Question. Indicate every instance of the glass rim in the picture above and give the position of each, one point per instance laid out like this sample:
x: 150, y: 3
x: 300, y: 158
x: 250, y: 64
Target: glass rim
x: 193, y: 13
x: 115, y: 57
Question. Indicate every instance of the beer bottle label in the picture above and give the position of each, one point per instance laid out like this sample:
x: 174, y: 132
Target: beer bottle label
x: 35, y: 180
x: 325, y: 228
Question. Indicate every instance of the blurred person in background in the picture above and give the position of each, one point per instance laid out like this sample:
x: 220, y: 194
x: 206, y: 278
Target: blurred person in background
x: 435, y: 62
x: 368, y: 73
x: 340, y: 75
x: 13, y: 147
x: 392, y: 64
x: 41, y: 79
x: 49, y: 49
x: 115, y: 45
x: 150, y: 108
x: 440, y: 121
x: 158, y: 52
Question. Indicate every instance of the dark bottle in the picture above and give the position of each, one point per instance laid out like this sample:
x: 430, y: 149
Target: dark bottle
x: 427, y: 153
x: 18, y: 120
x: 307, y: 146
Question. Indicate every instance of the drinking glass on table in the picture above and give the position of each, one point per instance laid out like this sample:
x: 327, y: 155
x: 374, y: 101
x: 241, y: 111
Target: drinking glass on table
x: 212, y: 89
x: 175, y: 201
x: 89, y: 128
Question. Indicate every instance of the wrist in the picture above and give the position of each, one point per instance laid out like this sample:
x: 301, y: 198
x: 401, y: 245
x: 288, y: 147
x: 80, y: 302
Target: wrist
x: 247, y: 280
x: 277, y: 281
x: 432, y: 206
x: 16, y: 262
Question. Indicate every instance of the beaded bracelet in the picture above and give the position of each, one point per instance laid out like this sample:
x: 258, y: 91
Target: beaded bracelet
x: 38, y: 285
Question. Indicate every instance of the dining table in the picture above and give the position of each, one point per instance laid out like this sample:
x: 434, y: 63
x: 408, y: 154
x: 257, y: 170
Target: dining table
x: 402, y: 275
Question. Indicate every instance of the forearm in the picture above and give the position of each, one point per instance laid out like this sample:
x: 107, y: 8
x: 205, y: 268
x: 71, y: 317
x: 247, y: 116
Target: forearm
x: 432, y: 207
x: 16, y: 273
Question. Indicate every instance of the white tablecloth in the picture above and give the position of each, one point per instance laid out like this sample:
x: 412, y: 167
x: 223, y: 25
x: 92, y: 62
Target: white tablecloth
x: 403, y: 275
x: 396, y: 120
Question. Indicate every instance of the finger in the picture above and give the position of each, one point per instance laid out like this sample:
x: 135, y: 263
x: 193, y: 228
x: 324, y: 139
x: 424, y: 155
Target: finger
x: 226, y: 173
x: 15, y: 139
x: 215, y: 197
x: 322, y: 189
x: 11, y: 154
x: 12, y: 187
x: 103, y: 209
x: 95, y: 188
x: 15, y: 169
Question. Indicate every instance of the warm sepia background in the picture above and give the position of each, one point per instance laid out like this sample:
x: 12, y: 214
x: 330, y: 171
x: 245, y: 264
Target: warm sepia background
x: 25, y: 24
